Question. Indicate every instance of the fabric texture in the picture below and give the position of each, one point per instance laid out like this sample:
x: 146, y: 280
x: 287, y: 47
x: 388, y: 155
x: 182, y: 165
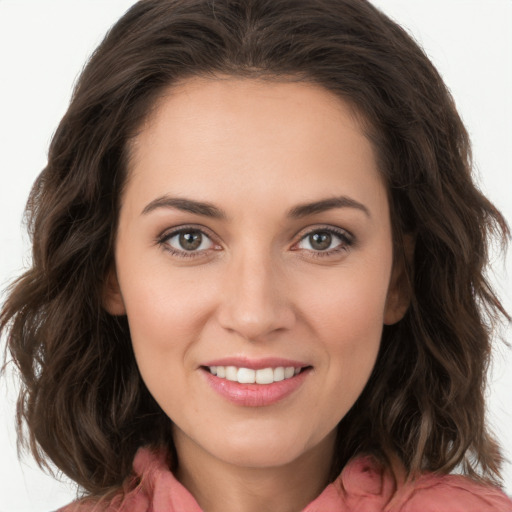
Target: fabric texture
x: 363, y: 486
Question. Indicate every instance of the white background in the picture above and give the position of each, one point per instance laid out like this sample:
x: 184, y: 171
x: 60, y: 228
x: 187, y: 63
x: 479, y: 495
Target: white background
x: 43, y: 46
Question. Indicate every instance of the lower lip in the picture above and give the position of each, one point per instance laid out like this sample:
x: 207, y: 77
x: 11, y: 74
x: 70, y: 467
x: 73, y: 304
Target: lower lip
x: 255, y: 395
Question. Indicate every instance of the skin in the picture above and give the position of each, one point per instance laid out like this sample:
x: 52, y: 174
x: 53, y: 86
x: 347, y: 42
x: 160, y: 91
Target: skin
x: 257, y: 286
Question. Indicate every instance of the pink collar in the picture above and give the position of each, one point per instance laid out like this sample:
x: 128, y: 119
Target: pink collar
x: 364, y: 485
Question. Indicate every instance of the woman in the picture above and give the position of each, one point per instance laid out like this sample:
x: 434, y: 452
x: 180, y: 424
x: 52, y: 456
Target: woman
x: 240, y: 286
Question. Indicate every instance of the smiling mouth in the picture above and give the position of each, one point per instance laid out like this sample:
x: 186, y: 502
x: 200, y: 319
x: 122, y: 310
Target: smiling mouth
x: 251, y: 376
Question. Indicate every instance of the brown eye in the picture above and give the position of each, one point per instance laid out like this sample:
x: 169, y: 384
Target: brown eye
x: 188, y: 241
x: 326, y: 241
x: 320, y: 241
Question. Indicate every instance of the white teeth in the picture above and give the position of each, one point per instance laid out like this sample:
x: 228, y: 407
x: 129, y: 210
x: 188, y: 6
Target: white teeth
x: 232, y: 373
x: 265, y: 376
x: 289, y: 371
x: 250, y: 376
x: 246, y: 376
x: 278, y: 374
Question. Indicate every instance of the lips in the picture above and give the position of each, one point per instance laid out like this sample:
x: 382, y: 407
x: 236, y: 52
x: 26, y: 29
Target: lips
x: 253, y: 383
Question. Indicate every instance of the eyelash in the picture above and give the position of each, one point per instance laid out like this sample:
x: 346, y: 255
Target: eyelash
x: 347, y: 241
x: 346, y: 238
x: 163, y: 241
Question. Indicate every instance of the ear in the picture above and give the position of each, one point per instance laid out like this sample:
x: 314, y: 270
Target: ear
x: 400, y: 291
x: 112, y: 299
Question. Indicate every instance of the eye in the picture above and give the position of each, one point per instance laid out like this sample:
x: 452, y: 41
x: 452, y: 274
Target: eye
x: 325, y: 241
x: 186, y: 242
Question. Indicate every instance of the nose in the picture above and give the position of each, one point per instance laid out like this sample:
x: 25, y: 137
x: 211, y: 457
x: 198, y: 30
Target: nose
x: 255, y: 302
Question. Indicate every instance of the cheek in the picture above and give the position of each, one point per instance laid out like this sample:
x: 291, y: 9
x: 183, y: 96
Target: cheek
x: 166, y: 310
x: 348, y: 305
x: 346, y: 314
x: 166, y: 315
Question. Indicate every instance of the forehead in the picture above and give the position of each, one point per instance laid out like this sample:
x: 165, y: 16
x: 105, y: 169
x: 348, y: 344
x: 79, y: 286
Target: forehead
x: 201, y: 99
x: 253, y: 137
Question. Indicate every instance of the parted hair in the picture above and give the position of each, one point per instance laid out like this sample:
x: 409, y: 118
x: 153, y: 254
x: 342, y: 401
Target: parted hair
x: 83, y: 405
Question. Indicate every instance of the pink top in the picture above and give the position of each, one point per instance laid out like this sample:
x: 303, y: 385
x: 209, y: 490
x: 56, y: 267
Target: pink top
x: 363, y: 486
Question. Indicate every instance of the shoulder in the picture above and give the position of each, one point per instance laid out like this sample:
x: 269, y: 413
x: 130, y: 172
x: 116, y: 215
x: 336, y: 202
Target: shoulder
x: 367, y: 484
x: 448, y: 493
x: 151, y: 487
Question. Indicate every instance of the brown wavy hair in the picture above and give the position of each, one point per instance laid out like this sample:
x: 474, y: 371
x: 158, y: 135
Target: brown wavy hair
x: 83, y: 400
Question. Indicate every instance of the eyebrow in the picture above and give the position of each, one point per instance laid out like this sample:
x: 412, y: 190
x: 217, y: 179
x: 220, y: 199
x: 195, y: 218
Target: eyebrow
x: 209, y: 210
x: 303, y: 210
x: 186, y: 205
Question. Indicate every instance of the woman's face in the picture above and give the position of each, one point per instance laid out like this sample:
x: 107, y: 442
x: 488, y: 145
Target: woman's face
x: 254, y: 238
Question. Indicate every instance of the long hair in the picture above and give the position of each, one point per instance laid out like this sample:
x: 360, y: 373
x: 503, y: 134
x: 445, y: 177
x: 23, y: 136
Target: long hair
x: 83, y: 400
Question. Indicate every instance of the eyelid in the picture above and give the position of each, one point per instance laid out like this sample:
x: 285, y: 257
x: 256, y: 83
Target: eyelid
x: 347, y: 238
x: 169, y: 233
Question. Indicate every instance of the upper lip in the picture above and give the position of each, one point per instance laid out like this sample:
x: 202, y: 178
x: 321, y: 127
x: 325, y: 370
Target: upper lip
x: 256, y: 364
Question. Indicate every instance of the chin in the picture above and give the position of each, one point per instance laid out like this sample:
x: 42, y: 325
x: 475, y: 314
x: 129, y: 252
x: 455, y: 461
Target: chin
x: 264, y: 449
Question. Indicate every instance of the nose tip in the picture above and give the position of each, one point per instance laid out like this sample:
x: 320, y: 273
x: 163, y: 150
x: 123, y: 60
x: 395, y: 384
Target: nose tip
x: 255, y: 303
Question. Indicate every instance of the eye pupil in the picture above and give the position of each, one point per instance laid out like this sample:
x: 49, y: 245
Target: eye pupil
x: 190, y: 240
x: 320, y: 240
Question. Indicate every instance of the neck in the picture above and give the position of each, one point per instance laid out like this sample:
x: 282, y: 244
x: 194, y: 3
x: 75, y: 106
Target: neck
x: 219, y: 486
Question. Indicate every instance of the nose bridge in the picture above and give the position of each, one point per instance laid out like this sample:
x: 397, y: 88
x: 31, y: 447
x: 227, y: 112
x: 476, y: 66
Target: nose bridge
x: 255, y: 302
